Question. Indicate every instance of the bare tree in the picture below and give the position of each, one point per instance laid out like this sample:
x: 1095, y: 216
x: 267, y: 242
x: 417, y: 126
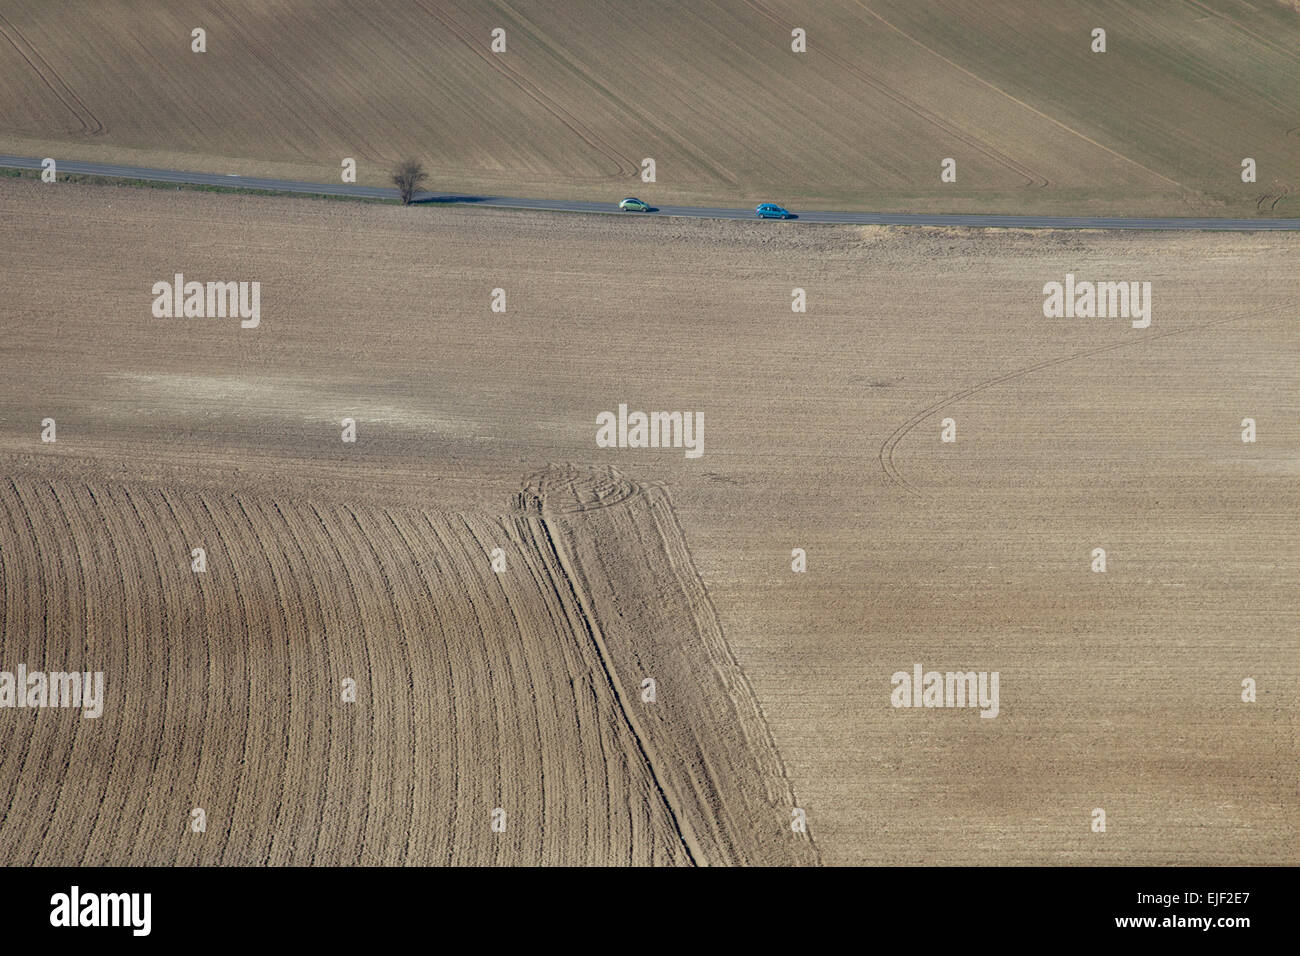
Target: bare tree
x: 408, y: 177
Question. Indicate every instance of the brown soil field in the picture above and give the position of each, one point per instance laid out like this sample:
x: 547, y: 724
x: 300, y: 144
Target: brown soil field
x: 482, y: 690
x: 523, y: 689
x: 1158, y: 124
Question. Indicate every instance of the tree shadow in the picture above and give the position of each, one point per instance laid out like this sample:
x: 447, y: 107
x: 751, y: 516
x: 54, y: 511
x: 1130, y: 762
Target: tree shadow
x: 444, y: 198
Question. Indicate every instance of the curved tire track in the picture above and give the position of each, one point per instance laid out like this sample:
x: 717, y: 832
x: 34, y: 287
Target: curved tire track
x: 890, y: 444
x: 64, y: 93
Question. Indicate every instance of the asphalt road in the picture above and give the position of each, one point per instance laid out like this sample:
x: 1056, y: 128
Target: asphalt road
x: 693, y: 212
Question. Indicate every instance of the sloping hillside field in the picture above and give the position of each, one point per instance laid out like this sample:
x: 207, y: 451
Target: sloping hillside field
x: 846, y: 104
x: 476, y: 536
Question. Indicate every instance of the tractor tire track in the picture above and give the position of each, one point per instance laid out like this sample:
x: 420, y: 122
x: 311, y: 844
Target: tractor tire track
x: 714, y: 757
x: 890, y: 444
x: 671, y: 801
x: 90, y: 124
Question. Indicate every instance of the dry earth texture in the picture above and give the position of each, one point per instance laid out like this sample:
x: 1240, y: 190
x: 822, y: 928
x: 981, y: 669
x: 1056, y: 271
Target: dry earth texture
x: 523, y: 689
x: 481, y: 690
x: 712, y: 91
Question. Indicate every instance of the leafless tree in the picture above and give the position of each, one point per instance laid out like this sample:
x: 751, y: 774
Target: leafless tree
x: 408, y: 177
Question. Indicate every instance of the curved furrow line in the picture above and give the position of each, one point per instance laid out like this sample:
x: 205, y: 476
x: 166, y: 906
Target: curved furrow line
x: 95, y: 586
x: 310, y: 825
x: 263, y: 667
x: 21, y: 629
x: 299, y: 730
x: 472, y: 689
x: 351, y: 737
x: 104, y: 596
x: 533, y: 680
x: 155, y: 735
x: 50, y: 738
x: 193, y: 668
x: 439, y: 849
x: 121, y: 568
x: 208, y: 641
x: 41, y: 761
x: 407, y: 637
x: 166, y: 711
x: 371, y: 848
x: 524, y: 687
x: 14, y: 571
x: 515, y: 768
x: 236, y: 773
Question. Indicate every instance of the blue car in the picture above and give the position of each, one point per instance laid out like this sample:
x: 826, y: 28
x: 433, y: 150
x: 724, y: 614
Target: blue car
x: 770, y: 210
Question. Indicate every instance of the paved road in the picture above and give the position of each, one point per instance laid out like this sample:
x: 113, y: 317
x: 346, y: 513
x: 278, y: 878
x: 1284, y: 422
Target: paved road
x: 693, y: 212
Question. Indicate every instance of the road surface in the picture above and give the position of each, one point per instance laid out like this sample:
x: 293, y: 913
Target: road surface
x: 691, y: 212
